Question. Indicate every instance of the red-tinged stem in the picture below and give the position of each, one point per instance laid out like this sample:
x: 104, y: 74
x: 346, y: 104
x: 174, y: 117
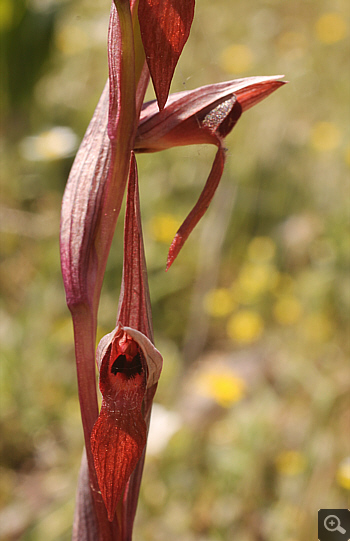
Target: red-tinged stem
x: 84, y: 336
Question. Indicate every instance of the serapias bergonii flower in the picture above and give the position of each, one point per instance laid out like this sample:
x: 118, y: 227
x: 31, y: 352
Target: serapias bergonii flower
x: 204, y: 115
x: 129, y: 367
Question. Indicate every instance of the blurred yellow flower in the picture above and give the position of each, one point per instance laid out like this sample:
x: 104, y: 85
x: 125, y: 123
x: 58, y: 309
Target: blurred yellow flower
x: 164, y: 227
x: 236, y: 58
x: 343, y: 474
x: 223, y: 386
x: 245, y: 327
x: 254, y: 280
x: 6, y: 14
x: 325, y: 136
x: 347, y: 155
x: 330, y: 28
x: 261, y: 249
x: 287, y: 310
x: 290, y: 463
x: 317, y: 327
x: 218, y: 302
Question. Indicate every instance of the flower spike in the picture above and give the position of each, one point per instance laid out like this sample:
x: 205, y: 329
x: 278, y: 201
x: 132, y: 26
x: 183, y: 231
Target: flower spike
x: 90, y: 209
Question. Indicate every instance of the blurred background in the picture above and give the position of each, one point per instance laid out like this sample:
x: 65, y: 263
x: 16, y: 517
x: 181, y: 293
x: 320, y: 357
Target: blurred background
x: 250, y: 430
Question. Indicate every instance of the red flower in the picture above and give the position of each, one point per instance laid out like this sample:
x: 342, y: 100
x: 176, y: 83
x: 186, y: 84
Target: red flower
x: 204, y: 115
x: 129, y: 367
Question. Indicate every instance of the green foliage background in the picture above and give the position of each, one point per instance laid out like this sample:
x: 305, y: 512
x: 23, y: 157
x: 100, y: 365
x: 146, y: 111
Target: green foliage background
x: 253, y: 318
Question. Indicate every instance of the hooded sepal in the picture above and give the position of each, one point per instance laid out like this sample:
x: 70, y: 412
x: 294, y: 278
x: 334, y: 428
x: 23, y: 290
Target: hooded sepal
x: 181, y: 121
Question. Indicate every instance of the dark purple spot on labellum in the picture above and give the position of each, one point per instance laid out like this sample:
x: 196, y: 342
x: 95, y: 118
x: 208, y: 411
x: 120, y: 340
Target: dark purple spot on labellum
x: 218, y: 113
x: 231, y: 119
x: 222, y: 117
x: 128, y: 368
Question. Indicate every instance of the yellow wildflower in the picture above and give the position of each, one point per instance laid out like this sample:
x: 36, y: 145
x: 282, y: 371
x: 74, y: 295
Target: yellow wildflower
x: 223, y: 386
x: 317, y: 327
x: 236, y: 58
x: 330, y: 28
x: 347, y: 155
x: 164, y: 227
x: 290, y: 463
x: 343, y: 474
x: 261, y: 249
x: 325, y: 136
x: 287, y: 310
x: 254, y: 280
x: 245, y: 327
x: 218, y: 302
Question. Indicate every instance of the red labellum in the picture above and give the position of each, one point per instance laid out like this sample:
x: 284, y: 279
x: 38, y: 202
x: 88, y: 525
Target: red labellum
x: 165, y: 26
x: 119, y: 435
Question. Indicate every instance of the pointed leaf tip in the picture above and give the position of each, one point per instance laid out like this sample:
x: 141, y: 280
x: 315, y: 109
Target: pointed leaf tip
x: 165, y: 26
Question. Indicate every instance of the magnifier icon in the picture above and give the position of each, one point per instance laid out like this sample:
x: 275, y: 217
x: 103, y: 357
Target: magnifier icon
x: 332, y: 524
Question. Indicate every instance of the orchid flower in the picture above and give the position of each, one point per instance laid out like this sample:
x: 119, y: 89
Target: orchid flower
x: 130, y: 367
x: 204, y: 115
x: 145, y: 40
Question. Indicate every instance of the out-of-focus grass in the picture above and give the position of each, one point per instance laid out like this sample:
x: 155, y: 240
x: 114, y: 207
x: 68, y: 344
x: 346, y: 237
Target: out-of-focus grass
x: 249, y: 437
